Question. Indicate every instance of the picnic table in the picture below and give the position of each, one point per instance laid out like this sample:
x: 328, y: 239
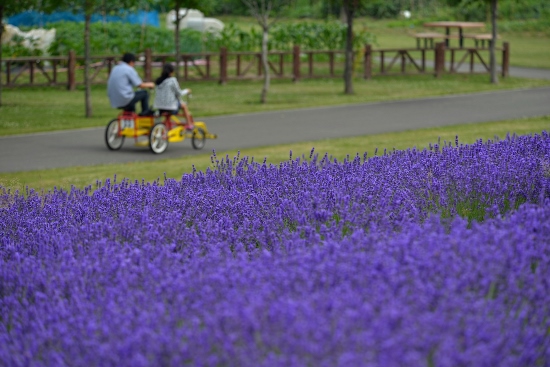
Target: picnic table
x: 452, y: 24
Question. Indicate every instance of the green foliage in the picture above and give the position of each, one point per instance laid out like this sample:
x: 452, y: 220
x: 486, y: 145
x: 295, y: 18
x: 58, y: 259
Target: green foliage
x: 472, y: 10
x: 316, y: 36
x: 10, y: 7
x: 88, y: 7
x: 16, y: 48
x: 230, y: 7
x: 282, y: 37
x: 117, y: 38
x: 529, y: 25
x: 306, y: 9
x: 235, y: 39
x: 477, y: 10
x: 7, y: 8
x: 524, y: 9
x: 382, y: 8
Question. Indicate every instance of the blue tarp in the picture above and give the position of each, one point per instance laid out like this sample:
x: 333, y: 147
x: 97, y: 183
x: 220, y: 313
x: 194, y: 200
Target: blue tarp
x: 37, y: 19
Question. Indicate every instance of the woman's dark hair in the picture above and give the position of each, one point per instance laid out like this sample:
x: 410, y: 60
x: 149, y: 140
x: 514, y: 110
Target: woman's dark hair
x: 167, y: 69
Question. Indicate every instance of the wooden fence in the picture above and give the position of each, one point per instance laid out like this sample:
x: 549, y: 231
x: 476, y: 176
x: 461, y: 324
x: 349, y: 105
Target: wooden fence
x: 227, y: 66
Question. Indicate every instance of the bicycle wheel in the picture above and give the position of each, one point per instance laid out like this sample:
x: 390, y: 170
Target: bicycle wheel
x: 199, y: 138
x: 158, y: 138
x: 113, y: 139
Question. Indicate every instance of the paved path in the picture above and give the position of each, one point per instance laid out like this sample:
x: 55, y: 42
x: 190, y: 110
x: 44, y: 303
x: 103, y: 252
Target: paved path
x: 87, y: 147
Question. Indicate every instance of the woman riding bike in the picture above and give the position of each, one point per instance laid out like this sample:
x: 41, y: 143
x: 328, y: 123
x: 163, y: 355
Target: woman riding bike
x: 168, y: 95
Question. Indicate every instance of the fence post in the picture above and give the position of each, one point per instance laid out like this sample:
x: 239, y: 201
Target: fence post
x: 296, y: 63
x: 368, y: 62
x: 223, y: 65
x: 148, y: 65
x: 31, y: 70
x: 71, y: 66
x: 505, y: 59
x: 439, y: 59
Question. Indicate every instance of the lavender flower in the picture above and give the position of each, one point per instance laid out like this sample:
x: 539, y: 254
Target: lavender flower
x: 434, y: 257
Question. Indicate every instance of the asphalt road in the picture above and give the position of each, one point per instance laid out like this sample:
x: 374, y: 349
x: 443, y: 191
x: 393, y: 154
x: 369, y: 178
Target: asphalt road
x: 86, y: 146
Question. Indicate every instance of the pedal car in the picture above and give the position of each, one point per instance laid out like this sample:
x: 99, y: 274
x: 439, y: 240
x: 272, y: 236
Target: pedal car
x: 155, y: 131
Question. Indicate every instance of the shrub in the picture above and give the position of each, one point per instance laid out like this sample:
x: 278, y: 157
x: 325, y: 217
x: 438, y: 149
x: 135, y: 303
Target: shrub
x: 118, y: 38
x: 308, y: 35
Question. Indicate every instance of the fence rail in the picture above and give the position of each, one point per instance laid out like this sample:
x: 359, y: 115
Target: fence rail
x: 227, y: 66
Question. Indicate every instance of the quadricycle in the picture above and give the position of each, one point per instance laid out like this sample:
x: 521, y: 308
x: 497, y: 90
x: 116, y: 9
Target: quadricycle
x: 155, y: 131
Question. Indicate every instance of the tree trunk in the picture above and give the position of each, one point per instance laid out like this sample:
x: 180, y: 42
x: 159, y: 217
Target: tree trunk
x: 493, y: 60
x: 177, y: 39
x: 87, y: 81
x: 1, y: 32
x: 177, y: 36
x: 265, y: 64
x: 348, y: 68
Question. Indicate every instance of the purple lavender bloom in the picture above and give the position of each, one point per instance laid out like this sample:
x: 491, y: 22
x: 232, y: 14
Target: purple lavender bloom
x: 437, y: 257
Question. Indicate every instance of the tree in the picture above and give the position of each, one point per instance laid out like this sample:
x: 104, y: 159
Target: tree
x: 177, y: 5
x: 349, y: 7
x: 493, y: 4
x: 88, y: 7
x: 7, y: 8
x: 492, y: 57
x: 262, y: 10
x: 349, y: 10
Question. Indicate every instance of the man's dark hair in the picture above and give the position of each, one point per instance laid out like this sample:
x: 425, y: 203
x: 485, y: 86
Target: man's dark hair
x: 128, y: 58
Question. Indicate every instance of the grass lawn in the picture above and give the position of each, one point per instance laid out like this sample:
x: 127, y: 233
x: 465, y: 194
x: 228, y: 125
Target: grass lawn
x: 337, y: 148
x: 529, y: 50
x: 30, y: 110
x: 526, y: 50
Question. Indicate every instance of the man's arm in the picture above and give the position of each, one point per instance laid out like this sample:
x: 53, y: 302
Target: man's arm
x: 149, y: 85
x: 136, y: 81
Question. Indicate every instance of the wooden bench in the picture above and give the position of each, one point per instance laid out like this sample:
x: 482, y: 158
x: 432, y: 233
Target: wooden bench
x: 427, y: 36
x: 481, y: 37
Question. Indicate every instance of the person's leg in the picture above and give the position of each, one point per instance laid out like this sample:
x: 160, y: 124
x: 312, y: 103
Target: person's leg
x: 143, y: 97
x: 130, y: 107
x: 140, y: 96
x: 188, y: 116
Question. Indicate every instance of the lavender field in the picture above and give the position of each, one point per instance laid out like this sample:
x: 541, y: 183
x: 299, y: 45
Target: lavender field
x: 439, y: 257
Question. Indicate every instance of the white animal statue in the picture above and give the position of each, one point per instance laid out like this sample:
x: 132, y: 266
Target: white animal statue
x: 39, y: 38
x: 194, y: 19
